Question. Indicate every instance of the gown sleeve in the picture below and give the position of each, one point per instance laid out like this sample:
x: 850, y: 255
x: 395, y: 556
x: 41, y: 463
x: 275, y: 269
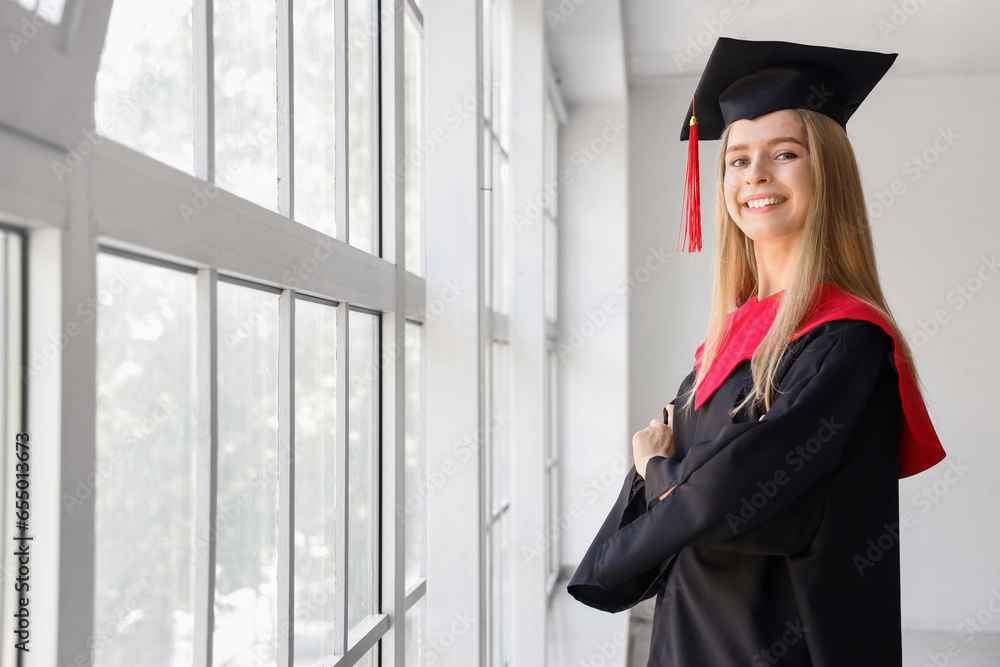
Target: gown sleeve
x: 630, y: 504
x: 799, y: 440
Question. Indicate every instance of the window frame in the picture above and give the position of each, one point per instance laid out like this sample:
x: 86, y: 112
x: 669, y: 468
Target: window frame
x: 120, y: 200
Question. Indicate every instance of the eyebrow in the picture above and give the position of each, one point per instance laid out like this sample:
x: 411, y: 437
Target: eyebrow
x: 776, y: 140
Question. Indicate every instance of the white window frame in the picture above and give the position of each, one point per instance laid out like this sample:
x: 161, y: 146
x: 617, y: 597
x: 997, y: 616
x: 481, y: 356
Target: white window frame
x: 123, y: 200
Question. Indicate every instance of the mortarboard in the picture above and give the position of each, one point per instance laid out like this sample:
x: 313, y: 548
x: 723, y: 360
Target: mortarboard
x: 746, y: 79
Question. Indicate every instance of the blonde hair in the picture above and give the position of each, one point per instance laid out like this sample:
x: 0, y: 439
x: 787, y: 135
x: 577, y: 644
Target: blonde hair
x: 836, y: 245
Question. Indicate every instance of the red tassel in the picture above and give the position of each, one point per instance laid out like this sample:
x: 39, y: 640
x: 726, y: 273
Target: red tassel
x: 692, y: 191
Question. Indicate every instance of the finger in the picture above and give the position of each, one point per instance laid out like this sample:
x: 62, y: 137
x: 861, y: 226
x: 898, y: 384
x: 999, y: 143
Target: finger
x: 670, y: 414
x: 655, y: 422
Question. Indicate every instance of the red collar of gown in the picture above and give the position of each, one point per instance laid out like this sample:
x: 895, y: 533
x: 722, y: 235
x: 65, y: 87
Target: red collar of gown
x: 919, y: 446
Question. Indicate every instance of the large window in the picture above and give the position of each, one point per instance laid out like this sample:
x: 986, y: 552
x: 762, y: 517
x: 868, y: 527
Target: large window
x: 215, y: 96
x: 149, y: 406
x: 242, y: 357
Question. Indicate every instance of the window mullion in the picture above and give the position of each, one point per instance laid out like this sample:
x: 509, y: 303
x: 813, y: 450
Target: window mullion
x: 207, y: 451
x: 343, y: 370
x: 286, y: 478
x: 204, y: 90
x: 286, y: 108
x: 374, y: 139
x: 341, y: 114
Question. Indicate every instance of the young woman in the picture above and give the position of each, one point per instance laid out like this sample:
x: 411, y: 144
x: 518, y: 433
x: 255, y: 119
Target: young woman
x: 763, y: 514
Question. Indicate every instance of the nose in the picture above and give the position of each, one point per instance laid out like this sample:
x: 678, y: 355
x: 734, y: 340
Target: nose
x: 756, y: 172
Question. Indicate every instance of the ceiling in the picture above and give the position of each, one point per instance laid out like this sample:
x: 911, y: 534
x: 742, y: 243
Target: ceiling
x: 600, y: 48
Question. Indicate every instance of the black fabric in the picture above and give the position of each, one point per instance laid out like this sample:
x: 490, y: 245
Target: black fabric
x: 746, y: 79
x: 779, y: 544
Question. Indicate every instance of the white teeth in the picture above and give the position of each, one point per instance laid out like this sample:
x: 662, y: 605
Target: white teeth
x: 757, y: 203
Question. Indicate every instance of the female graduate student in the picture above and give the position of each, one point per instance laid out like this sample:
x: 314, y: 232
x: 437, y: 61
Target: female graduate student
x: 763, y: 514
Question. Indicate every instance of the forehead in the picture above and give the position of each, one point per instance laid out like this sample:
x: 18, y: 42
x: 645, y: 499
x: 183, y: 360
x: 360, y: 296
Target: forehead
x: 781, y: 123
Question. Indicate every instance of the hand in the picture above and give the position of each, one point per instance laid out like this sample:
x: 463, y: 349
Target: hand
x: 657, y: 439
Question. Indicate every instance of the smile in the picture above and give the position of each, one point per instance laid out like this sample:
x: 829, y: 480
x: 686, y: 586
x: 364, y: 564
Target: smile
x: 765, y: 201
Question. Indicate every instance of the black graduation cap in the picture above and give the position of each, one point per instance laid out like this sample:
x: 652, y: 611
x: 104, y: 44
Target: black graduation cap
x: 746, y: 79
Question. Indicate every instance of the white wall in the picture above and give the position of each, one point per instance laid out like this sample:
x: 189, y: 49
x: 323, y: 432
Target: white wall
x: 596, y: 445
x: 932, y: 239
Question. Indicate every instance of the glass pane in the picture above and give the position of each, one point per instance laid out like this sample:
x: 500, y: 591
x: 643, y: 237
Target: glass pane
x: 143, y: 480
x: 361, y: 38
x: 500, y: 396
x: 414, y: 161
x: 362, y: 482
x: 416, y: 642
x: 315, y: 480
x: 145, y: 86
x: 246, y: 521
x: 315, y: 117
x: 416, y: 507
x: 246, y: 106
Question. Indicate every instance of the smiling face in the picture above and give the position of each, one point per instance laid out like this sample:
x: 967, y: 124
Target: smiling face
x: 767, y: 179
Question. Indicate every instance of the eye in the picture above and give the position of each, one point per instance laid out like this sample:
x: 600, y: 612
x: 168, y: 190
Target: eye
x: 791, y: 155
x: 734, y: 162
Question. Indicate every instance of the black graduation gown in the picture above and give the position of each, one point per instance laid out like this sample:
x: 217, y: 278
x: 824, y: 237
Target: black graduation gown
x: 779, y: 544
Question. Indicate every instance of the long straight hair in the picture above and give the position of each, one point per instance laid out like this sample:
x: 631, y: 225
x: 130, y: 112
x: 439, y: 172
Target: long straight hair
x: 836, y: 245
